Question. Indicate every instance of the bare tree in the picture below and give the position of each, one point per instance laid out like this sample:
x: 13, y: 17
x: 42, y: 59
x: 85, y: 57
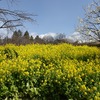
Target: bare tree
x: 60, y: 36
x: 11, y: 19
x: 89, y: 26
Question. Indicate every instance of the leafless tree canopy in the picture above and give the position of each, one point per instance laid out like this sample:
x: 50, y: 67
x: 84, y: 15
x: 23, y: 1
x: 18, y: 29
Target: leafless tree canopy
x: 11, y: 19
x: 89, y: 26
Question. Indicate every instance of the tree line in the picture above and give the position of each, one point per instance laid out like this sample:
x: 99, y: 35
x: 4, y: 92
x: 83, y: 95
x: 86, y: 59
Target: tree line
x: 22, y: 38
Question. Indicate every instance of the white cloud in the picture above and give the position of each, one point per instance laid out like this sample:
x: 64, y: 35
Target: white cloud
x: 75, y: 37
x: 48, y: 34
x: 34, y: 34
x: 76, y: 33
x: 3, y: 33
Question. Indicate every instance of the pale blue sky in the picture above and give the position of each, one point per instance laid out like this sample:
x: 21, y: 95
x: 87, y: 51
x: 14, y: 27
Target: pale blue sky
x: 57, y: 16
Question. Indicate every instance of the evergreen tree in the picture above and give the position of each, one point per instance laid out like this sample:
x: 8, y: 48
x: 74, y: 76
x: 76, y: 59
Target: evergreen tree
x: 38, y: 40
x: 26, y: 35
x: 17, y: 37
x: 31, y: 38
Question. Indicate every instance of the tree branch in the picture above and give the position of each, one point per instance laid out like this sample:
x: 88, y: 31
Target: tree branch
x: 17, y: 18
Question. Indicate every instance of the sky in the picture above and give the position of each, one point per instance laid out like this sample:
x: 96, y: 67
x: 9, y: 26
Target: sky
x: 53, y: 16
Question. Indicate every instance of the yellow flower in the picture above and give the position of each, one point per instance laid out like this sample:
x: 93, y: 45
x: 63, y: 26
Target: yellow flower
x: 88, y: 90
x: 1, y: 80
x: 94, y: 88
x: 92, y: 80
x: 83, y: 88
x: 96, y: 98
x: 85, y: 93
x: 26, y: 73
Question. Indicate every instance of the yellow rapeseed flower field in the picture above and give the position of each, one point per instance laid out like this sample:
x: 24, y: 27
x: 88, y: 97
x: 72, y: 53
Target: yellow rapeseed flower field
x: 49, y: 72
